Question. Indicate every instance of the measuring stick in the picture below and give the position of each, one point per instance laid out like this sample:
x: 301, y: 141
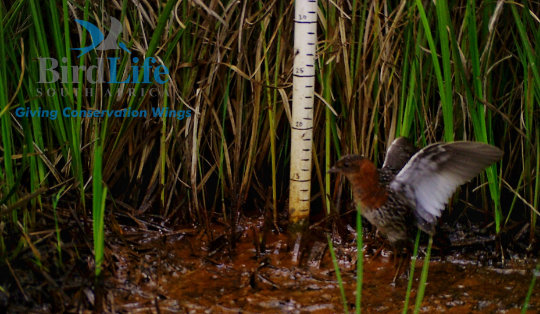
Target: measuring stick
x: 305, y: 40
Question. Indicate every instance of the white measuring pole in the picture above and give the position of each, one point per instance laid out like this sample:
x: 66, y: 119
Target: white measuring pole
x: 305, y: 42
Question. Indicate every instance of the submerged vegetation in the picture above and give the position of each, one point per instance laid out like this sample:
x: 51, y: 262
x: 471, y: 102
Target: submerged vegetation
x: 431, y: 71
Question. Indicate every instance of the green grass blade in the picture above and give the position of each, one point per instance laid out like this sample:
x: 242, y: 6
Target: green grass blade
x: 530, y: 290
x: 414, y: 258
x: 338, y: 274
x: 423, y: 278
x: 359, y: 262
x: 447, y: 106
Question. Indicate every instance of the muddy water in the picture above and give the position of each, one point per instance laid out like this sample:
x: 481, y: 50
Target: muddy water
x: 185, y: 272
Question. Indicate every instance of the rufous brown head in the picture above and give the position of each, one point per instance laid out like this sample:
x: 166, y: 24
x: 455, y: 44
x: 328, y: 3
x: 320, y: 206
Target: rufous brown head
x: 364, y: 179
x: 356, y: 164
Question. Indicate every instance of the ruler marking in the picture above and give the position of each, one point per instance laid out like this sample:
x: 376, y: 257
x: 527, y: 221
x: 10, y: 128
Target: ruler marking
x: 298, y: 180
x: 302, y: 129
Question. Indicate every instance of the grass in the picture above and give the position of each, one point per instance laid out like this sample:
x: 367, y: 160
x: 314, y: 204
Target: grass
x: 338, y: 275
x: 530, y: 290
x: 414, y: 257
x: 453, y: 70
x: 359, y: 263
x: 423, y: 278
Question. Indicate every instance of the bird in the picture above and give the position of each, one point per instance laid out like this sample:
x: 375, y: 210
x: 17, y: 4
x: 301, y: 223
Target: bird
x: 413, y: 186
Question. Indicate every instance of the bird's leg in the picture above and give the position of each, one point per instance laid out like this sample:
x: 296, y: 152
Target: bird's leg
x: 377, y: 253
x: 397, y: 266
x: 400, y: 263
x: 381, y: 247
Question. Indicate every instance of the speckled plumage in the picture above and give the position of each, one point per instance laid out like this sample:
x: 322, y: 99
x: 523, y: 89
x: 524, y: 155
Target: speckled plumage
x: 410, y: 191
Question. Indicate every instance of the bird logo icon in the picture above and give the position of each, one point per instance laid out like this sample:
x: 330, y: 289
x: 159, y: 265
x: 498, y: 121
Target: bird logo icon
x: 99, y: 42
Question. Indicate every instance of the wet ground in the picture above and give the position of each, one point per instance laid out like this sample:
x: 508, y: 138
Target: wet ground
x: 184, y: 270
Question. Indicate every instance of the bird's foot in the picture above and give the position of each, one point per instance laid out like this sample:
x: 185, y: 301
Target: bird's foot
x: 377, y: 252
x: 401, y: 261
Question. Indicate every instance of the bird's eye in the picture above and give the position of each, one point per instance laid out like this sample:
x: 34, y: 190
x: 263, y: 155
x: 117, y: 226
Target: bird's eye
x: 346, y: 164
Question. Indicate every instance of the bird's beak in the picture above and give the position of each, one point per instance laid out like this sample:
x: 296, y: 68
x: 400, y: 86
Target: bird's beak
x: 333, y: 170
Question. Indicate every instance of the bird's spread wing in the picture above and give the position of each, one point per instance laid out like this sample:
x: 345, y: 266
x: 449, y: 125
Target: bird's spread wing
x: 432, y: 175
x: 398, y: 153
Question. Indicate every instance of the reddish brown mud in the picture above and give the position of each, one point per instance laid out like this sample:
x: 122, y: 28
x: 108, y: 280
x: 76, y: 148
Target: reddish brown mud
x: 184, y: 271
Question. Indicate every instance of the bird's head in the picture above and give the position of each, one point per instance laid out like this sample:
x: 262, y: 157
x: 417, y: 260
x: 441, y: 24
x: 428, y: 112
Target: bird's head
x: 354, y: 164
x: 364, y: 179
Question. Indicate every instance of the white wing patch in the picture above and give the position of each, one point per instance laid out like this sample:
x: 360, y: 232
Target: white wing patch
x: 432, y: 175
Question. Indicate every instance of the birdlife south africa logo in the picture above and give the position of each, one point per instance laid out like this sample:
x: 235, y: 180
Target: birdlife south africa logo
x: 104, y: 70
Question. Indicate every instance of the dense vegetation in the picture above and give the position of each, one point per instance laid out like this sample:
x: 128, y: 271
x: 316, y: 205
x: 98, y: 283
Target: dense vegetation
x: 433, y: 72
